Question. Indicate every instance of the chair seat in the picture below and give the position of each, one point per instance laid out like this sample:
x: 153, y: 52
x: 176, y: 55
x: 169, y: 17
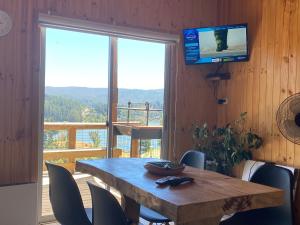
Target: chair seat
x: 152, y: 216
x: 89, y: 213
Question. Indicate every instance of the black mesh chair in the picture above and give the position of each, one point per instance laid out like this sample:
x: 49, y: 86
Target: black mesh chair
x: 106, y: 208
x: 273, y: 176
x: 65, y: 198
x: 190, y: 158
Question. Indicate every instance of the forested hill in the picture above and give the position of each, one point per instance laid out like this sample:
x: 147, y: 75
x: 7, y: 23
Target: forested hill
x: 99, y: 95
x: 78, y: 104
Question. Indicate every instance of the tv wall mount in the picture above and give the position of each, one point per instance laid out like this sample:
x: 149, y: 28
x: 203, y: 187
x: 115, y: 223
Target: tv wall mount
x: 214, y: 81
x: 217, y: 75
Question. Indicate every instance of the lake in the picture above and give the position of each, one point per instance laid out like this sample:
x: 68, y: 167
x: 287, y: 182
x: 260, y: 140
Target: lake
x: 123, y: 141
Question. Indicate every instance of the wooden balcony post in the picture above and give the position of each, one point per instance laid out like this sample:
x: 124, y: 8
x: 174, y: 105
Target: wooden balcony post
x: 134, y: 148
x: 72, y: 138
x: 113, y: 96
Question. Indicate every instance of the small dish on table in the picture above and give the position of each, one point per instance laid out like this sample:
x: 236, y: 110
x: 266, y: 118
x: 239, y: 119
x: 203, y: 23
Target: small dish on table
x: 165, y: 168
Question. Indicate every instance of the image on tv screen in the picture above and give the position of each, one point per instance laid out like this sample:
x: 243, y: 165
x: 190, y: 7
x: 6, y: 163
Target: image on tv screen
x: 216, y: 44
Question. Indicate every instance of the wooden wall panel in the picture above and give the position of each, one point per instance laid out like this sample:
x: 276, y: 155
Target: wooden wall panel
x: 16, y: 160
x: 272, y: 74
x: 19, y: 70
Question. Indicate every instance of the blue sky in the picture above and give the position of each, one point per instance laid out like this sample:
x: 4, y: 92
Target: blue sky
x: 81, y: 59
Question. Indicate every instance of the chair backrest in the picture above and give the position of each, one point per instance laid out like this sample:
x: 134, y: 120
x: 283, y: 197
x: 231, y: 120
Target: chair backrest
x: 106, y: 208
x: 281, y: 178
x: 194, y: 159
x: 65, y: 197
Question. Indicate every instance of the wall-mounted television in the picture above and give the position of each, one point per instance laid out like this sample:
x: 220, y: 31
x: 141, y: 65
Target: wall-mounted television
x: 218, y: 44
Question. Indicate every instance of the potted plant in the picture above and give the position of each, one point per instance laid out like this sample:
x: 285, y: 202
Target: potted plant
x: 226, y: 146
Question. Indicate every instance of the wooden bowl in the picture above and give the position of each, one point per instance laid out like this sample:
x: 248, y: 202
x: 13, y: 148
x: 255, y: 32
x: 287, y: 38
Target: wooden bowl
x: 164, y: 168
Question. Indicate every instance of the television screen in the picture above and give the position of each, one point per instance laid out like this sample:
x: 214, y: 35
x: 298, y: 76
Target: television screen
x: 216, y: 44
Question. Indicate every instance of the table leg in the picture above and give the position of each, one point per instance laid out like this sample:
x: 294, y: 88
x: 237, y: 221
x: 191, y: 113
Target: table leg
x: 131, y: 209
x: 207, y: 221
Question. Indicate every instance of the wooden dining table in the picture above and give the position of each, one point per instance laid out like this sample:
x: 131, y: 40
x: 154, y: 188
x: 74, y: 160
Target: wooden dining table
x: 202, y: 202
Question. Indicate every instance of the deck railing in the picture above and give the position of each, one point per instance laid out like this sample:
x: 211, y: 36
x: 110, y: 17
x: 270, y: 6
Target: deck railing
x: 146, y: 109
x: 71, y: 129
x: 65, y: 151
x: 67, y: 158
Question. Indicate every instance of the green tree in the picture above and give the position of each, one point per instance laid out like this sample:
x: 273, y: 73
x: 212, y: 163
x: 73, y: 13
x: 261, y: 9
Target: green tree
x: 145, y: 146
x: 49, y: 139
x: 95, y: 137
x: 61, y: 109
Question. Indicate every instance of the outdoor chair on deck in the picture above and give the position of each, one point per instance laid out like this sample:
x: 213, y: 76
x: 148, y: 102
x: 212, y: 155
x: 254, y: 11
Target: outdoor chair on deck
x: 273, y: 176
x: 65, y: 198
x: 190, y: 158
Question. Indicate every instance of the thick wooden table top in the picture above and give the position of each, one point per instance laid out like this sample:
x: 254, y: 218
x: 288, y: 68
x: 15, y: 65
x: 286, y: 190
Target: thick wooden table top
x: 212, y: 195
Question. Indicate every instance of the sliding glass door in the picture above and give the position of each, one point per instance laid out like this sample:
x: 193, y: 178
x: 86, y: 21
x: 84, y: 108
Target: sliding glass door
x: 104, y: 96
x: 75, y: 104
x: 140, y: 78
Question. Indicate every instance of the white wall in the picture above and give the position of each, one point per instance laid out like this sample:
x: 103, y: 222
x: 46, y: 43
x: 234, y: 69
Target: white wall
x: 18, y: 205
